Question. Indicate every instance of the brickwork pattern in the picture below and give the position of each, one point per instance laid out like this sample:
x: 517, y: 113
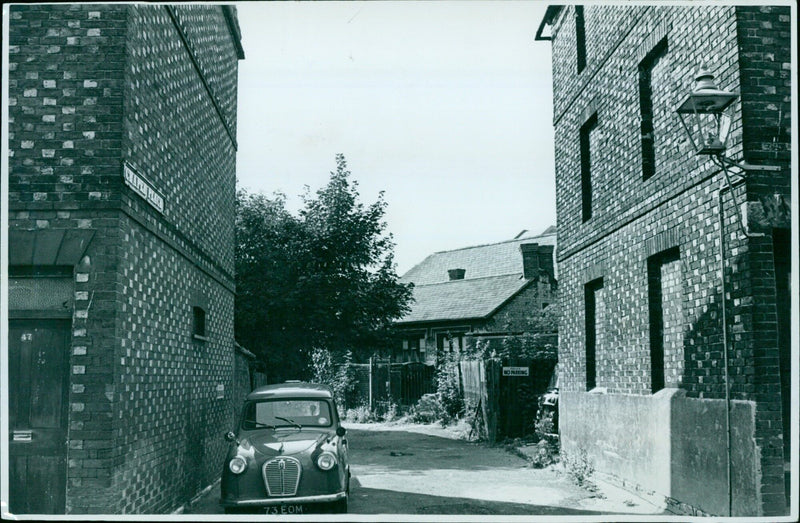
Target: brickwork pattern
x: 169, y: 421
x: 672, y: 313
x: 609, y: 83
x: 66, y: 70
x: 514, y: 315
x: 175, y: 138
x: 145, y: 419
x: 677, y: 207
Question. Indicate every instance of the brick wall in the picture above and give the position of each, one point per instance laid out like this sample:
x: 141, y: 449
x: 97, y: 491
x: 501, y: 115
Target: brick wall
x: 515, y: 315
x: 169, y: 419
x: 89, y: 87
x: 634, y: 219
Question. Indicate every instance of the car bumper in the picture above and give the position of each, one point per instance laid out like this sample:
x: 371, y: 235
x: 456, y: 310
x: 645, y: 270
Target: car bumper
x: 294, y: 500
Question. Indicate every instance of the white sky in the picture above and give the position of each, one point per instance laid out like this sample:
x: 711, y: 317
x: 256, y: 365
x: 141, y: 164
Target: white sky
x: 446, y: 106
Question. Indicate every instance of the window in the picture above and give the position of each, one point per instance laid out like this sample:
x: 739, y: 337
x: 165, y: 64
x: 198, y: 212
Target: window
x: 586, y: 166
x: 646, y: 67
x: 413, y: 347
x: 580, y: 37
x: 594, y: 309
x: 666, y: 318
x: 199, y: 323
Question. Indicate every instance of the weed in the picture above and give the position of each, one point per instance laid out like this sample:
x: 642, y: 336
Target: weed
x: 580, y: 468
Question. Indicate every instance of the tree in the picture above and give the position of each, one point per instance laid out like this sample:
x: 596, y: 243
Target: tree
x: 324, y: 279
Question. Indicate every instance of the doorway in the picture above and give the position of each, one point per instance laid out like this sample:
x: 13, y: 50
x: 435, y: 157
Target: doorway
x: 38, y: 360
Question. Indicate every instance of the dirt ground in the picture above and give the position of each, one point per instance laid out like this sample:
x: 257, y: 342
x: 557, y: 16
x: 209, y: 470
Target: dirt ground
x: 425, y: 469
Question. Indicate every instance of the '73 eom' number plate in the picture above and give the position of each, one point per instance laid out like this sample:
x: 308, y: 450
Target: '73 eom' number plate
x: 284, y: 509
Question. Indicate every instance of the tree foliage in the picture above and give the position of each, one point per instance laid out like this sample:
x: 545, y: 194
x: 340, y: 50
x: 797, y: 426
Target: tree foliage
x: 323, y: 279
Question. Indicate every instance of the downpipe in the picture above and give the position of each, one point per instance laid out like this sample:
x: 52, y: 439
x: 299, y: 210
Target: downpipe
x: 725, y: 342
x: 727, y: 186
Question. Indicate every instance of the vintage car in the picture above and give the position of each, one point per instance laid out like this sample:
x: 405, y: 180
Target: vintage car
x: 289, y: 454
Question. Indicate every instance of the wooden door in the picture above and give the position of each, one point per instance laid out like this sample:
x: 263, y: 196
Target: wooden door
x: 38, y: 361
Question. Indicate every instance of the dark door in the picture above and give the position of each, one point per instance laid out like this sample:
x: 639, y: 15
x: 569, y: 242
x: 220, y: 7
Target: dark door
x: 38, y: 360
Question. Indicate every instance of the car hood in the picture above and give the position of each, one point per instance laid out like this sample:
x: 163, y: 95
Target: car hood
x: 269, y: 443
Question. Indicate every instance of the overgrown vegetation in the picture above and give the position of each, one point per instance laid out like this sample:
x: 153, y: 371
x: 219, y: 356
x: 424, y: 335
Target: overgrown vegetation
x: 580, y: 468
x: 322, y: 279
x: 448, y: 389
x: 338, y: 375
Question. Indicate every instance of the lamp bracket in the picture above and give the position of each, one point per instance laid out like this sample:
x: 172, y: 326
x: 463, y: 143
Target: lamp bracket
x: 763, y: 168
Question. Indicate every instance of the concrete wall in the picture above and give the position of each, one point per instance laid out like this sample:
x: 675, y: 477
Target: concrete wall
x: 677, y: 449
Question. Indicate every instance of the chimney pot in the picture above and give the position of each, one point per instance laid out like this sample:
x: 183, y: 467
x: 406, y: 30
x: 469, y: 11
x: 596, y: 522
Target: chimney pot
x: 456, y: 274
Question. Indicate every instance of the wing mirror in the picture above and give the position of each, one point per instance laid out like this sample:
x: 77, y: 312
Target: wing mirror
x: 341, y: 431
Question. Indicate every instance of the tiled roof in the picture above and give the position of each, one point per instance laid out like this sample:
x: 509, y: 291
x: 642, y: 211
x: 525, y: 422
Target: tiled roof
x: 462, y: 299
x: 480, y: 261
x: 493, y: 275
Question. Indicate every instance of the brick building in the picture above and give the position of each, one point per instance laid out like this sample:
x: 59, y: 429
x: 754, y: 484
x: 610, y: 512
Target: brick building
x: 478, y: 292
x: 641, y: 345
x: 122, y: 144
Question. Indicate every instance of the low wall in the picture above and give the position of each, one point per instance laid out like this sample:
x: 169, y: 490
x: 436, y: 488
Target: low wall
x: 668, y: 444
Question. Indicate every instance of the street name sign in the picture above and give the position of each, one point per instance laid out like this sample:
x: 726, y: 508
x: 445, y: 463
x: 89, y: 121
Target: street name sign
x: 143, y: 188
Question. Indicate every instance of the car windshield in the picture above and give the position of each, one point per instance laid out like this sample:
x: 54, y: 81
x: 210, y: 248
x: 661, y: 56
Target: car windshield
x: 287, y: 413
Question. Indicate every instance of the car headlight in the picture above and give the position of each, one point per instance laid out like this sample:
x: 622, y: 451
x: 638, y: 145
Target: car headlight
x: 237, y: 465
x: 326, y: 461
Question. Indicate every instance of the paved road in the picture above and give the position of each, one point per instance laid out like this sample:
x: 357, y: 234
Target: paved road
x: 401, y: 472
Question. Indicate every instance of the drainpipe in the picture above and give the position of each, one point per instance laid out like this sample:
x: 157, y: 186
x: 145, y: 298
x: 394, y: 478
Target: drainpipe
x: 721, y: 214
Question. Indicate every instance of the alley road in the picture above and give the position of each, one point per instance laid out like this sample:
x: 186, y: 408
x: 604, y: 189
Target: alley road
x: 397, y: 471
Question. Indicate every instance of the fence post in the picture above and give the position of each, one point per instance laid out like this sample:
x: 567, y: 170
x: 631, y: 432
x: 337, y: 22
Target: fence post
x: 389, y: 381
x: 371, y: 406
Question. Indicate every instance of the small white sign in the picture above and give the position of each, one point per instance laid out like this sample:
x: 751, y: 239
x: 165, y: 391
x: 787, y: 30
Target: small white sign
x: 143, y: 188
x: 516, y: 371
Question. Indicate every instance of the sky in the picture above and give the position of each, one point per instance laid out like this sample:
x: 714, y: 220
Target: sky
x: 445, y: 106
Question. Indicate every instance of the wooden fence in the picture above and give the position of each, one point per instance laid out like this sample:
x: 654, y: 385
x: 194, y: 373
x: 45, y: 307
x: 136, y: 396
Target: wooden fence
x: 505, y: 394
x: 381, y: 382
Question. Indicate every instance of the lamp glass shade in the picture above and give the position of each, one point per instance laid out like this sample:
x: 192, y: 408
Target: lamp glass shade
x: 707, y: 101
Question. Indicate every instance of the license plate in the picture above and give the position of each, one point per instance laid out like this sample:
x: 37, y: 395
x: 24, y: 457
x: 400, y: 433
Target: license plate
x: 284, y: 509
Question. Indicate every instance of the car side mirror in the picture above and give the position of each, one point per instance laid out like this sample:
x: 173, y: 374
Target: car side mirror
x: 341, y: 431
x: 230, y: 436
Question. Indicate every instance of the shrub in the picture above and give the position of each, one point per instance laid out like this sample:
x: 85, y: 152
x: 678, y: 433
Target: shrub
x: 427, y: 410
x: 360, y: 414
x: 544, y: 428
x: 580, y: 468
x: 448, y: 388
x: 546, y: 454
x: 339, y: 376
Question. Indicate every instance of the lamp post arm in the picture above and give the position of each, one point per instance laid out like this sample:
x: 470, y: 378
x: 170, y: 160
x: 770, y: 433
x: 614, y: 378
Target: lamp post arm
x: 724, y: 163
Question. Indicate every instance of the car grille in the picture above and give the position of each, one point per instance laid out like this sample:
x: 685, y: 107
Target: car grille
x: 281, y: 476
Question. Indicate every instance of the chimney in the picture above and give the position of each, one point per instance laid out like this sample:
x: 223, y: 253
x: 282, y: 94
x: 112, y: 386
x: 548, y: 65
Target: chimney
x: 536, y: 258
x: 456, y: 274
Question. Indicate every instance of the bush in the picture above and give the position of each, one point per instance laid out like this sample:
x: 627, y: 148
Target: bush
x: 360, y: 414
x: 580, y: 468
x: 391, y: 413
x: 448, y: 389
x: 427, y: 410
x: 545, y: 428
x: 546, y: 454
x: 339, y: 376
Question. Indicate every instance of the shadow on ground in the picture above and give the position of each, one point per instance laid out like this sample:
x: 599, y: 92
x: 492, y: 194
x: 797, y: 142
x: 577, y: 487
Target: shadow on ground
x: 377, y: 501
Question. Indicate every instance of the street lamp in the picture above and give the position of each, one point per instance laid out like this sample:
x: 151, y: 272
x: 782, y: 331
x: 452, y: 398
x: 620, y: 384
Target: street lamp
x: 708, y: 110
